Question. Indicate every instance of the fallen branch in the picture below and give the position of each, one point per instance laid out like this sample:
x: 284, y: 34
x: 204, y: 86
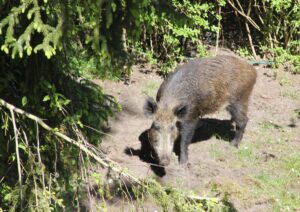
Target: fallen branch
x: 81, y: 146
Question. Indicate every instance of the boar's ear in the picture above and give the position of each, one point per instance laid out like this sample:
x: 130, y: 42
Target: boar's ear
x: 181, y: 110
x: 150, y: 106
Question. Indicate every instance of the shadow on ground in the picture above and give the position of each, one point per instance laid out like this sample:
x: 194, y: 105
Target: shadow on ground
x: 208, y: 127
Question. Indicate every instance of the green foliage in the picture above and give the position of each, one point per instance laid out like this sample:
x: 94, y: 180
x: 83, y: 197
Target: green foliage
x: 277, y: 27
x: 73, y: 106
x: 49, y: 183
x: 282, y: 22
x: 22, y: 43
x: 169, y: 27
x: 290, y: 62
x: 244, y: 52
x: 150, y: 88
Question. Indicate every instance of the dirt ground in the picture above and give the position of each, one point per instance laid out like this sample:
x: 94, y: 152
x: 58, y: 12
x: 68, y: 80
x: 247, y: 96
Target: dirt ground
x: 261, y: 175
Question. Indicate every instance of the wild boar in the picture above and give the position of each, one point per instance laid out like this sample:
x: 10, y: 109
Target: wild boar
x: 199, y: 87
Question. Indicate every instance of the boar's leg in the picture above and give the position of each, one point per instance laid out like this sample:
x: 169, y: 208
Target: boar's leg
x: 238, y: 111
x: 187, y: 132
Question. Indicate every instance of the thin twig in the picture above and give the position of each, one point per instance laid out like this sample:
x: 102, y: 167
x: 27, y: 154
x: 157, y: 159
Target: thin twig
x: 39, y: 154
x: 17, y: 153
x: 242, y: 13
x: 31, y: 167
x: 55, y: 161
x: 127, y: 190
x: 219, y: 29
x: 248, y: 31
x: 100, y: 132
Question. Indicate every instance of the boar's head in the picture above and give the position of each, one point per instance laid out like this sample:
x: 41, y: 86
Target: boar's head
x: 165, y: 128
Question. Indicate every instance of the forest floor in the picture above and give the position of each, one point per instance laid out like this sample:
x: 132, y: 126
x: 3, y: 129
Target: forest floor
x: 263, y: 174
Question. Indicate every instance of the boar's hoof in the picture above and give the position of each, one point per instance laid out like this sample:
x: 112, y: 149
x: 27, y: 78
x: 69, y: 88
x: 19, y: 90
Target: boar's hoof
x: 183, y: 160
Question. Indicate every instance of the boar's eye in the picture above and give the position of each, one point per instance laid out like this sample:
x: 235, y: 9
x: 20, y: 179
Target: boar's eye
x: 155, y: 126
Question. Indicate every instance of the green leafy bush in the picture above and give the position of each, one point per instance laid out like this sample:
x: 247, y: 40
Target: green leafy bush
x: 274, y: 27
x: 287, y: 60
x: 172, y: 29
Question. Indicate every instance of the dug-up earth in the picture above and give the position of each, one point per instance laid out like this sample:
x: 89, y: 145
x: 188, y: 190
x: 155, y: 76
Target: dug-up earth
x: 263, y: 174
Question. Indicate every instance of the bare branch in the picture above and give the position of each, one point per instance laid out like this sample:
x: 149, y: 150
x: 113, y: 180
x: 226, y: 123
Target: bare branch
x: 248, y: 31
x: 218, y: 32
x: 39, y: 154
x: 242, y: 13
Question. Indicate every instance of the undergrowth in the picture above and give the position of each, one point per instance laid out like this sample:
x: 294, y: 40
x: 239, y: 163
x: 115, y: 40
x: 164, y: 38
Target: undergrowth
x: 151, y: 194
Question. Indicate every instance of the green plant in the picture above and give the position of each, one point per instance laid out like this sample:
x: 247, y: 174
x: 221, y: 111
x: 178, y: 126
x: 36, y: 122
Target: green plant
x: 287, y: 60
x: 201, y: 51
x: 245, y: 153
x: 297, y: 113
x: 150, y: 88
x: 169, y: 29
x: 267, y: 125
x: 273, y: 24
x: 244, y: 52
